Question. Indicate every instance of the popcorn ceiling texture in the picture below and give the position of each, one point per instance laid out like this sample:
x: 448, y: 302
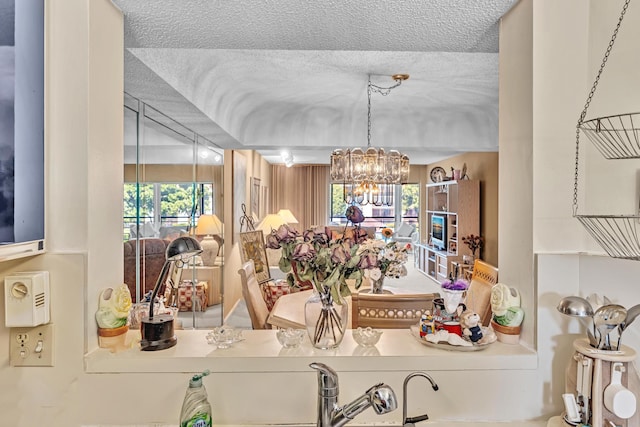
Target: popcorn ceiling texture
x: 276, y: 74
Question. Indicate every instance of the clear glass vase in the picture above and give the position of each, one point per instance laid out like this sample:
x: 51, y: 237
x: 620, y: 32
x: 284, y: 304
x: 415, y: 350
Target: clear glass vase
x: 326, y: 320
x: 376, y: 285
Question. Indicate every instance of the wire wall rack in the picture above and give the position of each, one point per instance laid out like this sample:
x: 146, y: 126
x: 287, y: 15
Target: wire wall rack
x: 615, y: 137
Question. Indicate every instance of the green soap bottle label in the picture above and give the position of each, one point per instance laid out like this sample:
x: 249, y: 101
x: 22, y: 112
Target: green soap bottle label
x: 198, y: 420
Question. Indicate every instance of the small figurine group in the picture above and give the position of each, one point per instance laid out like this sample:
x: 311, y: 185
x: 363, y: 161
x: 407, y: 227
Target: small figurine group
x: 427, y: 324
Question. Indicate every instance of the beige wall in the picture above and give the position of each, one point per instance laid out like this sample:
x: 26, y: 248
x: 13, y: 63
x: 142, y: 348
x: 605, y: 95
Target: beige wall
x: 84, y: 113
x: 256, y: 167
x: 482, y: 167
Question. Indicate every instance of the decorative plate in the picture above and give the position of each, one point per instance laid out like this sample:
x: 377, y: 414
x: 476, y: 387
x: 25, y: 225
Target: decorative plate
x: 437, y: 174
x: 415, y: 331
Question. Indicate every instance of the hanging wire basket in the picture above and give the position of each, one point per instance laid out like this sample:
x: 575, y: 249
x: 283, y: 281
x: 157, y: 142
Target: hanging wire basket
x: 616, y: 137
x: 616, y: 234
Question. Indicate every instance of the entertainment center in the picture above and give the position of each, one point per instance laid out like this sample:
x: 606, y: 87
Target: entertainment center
x: 453, y: 211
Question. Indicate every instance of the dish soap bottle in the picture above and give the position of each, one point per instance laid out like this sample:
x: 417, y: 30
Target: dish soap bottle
x: 196, y: 410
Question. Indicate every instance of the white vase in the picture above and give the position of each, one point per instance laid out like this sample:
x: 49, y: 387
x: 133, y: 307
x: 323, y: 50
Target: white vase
x: 452, y: 299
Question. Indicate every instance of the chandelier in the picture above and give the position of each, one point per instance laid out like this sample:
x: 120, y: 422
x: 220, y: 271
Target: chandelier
x: 369, y: 176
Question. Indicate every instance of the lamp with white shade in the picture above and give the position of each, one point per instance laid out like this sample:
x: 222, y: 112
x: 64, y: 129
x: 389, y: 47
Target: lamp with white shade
x: 271, y: 222
x: 209, y: 225
x: 287, y: 216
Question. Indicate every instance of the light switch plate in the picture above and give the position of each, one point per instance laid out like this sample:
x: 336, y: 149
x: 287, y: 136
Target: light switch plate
x: 32, y: 346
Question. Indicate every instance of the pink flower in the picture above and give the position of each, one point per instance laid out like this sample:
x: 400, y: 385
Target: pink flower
x: 368, y: 260
x: 304, y: 252
x: 340, y: 254
x: 354, y: 214
x: 272, y: 241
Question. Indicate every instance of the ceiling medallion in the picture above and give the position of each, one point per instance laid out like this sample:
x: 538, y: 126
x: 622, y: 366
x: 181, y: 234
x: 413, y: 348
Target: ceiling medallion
x: 368, y: 176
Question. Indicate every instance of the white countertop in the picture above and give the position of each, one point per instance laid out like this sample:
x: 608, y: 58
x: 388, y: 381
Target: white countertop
x: 396, y: 348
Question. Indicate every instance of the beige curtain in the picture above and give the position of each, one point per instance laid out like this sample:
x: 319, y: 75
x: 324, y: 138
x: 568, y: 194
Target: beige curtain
x: 304, y: 190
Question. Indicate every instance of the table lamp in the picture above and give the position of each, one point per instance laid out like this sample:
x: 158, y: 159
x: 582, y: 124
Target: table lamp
x: 287, y: 216
x: 270, y: 222
x: 208, y: 225
x: 157, y: 330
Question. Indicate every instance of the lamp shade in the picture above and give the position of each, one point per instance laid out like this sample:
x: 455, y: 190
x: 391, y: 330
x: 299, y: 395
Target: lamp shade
x: 287, y: 216
x: 271, y: 222
x: 208, y: 225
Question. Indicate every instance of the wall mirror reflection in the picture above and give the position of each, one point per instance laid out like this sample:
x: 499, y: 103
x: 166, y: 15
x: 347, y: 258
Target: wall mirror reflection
x: 173, y: 183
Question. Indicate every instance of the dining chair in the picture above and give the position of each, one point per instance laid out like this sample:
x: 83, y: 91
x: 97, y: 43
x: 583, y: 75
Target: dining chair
x: 389, y: 311
x: 253, y: 297
x: 478, y: 299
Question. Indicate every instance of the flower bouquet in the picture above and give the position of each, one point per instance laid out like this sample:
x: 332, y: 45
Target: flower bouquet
x: 475, y: 243
x: 314, y: 258
x: 453, y: 293
x: 379, y: 260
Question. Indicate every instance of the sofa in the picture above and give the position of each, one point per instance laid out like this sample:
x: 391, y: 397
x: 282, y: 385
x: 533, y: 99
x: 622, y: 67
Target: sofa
x: 152, y: 258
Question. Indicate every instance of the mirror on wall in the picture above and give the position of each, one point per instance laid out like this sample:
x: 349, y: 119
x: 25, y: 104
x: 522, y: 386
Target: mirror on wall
x: 173, y: 182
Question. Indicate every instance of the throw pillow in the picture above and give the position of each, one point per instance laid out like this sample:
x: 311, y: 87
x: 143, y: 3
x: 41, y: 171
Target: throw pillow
x: 405, y: 230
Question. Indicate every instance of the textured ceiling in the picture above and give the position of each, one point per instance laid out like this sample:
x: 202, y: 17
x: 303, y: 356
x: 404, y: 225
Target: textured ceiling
x: 273, y: 75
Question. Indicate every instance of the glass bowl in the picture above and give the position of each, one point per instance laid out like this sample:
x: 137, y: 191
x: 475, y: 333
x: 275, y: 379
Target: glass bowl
x: 366, y: 337
x: 290, y: 338
x: 224, y: 336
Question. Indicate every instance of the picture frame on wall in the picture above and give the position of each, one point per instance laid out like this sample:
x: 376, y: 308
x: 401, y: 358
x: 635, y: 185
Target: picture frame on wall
x: 255, y: 199
x: 252, y: 247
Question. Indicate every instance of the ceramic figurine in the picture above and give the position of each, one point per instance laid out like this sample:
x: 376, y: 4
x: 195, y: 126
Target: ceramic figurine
x: 470, y: 322
x: 427, y: 324
x: 112, y: 317
x: 505, y: 305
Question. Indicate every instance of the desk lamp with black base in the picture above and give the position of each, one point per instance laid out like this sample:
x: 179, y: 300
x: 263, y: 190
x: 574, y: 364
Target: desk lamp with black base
x: 157, y: 330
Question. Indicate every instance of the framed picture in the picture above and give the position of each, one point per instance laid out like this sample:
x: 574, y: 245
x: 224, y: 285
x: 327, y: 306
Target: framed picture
x: 239, y: 192
x: 252, y: 247
x: 255, y: 198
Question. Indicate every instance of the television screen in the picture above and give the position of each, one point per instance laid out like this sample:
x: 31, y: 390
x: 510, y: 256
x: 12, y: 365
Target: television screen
x: 22, y: 122
x: 438, y: 231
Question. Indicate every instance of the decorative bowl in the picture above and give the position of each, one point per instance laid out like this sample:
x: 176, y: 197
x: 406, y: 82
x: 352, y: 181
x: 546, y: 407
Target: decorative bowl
x: 224, y: 336
x: 290, y: 338
x: 366, y: 337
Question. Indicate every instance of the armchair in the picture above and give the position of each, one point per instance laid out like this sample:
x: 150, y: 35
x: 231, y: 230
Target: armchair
x: 404, y: 233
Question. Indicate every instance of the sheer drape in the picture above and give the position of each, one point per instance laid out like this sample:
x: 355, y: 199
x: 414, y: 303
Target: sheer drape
x: 304, y: 190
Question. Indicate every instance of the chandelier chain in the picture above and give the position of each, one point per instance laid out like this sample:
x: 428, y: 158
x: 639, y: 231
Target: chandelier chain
x: 384, y: 91
x: 588, y: 103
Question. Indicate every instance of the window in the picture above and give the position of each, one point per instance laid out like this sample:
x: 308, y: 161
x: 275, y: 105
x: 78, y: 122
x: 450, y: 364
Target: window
x: 157, y: 209
x: 405, y: 207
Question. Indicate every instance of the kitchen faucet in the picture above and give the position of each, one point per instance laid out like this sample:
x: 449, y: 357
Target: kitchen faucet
x: 380, y: 397
x: 410, y: 422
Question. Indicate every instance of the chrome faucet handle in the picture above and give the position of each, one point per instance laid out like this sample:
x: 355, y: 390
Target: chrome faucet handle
x: 411, y: 421
x: 327, y: 380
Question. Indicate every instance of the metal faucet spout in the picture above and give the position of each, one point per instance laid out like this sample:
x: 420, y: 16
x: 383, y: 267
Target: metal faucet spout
x: 411, y: 421
x: 380, y: 397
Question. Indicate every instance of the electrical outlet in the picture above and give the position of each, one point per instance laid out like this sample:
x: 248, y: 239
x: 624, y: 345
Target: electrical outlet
x: 32, y: 346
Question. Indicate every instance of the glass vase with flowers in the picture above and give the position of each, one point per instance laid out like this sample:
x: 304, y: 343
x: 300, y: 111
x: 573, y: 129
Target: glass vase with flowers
x: 379, y: 259
x: 326, y: 263
x: 475, y: 243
